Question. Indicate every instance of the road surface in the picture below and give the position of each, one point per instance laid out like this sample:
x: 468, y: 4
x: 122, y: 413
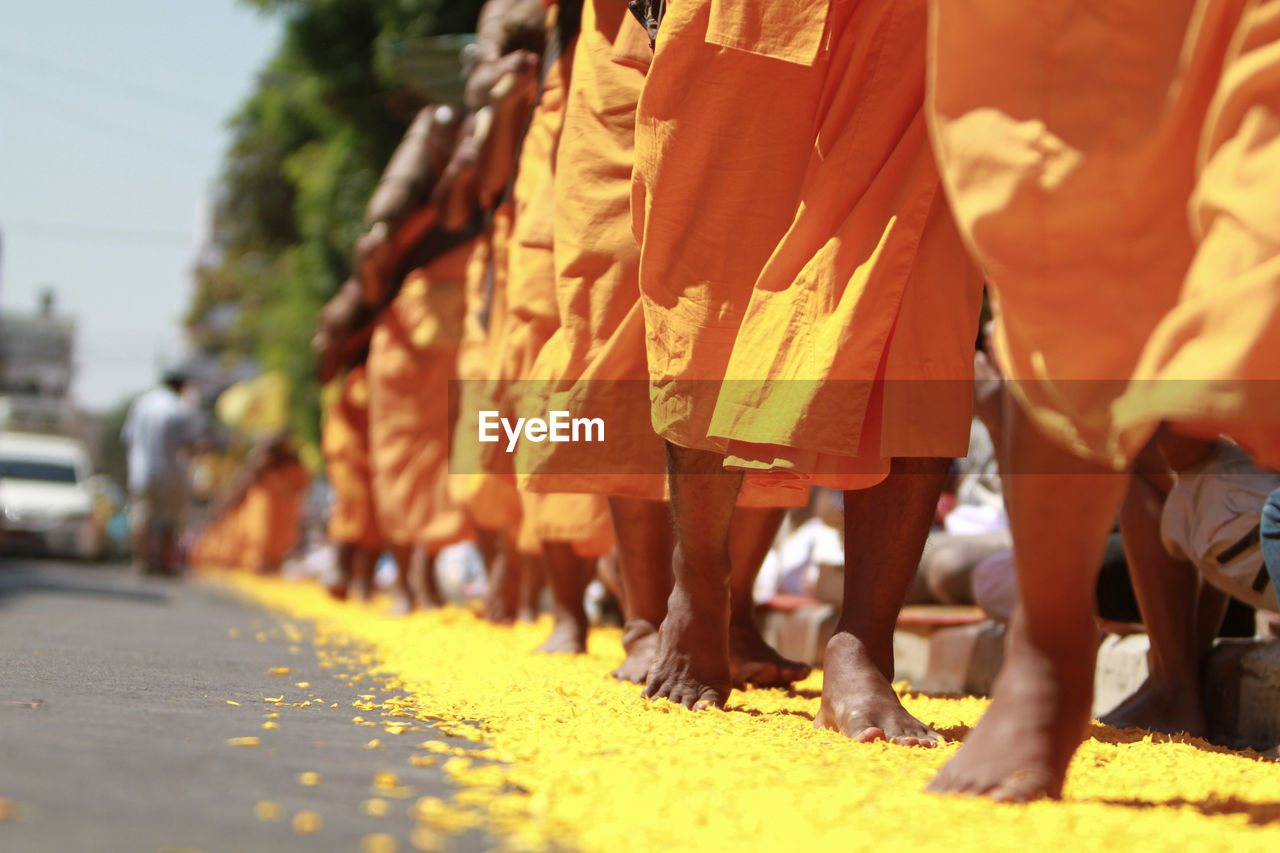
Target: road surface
x: 115, y: 717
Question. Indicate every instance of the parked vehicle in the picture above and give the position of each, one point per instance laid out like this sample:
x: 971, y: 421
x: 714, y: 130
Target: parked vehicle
x: 46, y: 505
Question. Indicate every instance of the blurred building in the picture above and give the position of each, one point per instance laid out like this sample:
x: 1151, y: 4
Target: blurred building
x: 36, y: 369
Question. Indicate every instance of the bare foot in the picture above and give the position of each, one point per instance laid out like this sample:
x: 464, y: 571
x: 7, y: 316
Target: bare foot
x: 753, y: 661
x: 497, y: 609
x: 568, y: 637
x: 639, y: 641
x: 1161, y: 707
x: 1021, y: 747
x: 425, y: 596
x: 858, y: 701
x: 691, y: 664
x: 501, y: 597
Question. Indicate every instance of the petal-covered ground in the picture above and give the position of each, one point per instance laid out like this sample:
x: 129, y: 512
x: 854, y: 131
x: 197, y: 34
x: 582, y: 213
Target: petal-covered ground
x: 566, y: 757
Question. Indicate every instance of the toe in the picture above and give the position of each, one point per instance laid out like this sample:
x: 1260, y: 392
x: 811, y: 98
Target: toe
x: 712, y: 697
x: 759, y: 673
x: 869, y: 734
x: 796, y: 671
x: 1022, y: 786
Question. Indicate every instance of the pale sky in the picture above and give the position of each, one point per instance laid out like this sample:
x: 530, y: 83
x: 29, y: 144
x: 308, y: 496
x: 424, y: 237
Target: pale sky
x: 112, y: 128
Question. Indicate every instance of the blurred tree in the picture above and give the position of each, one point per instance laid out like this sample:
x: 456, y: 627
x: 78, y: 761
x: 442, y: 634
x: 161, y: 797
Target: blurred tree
x: 308, y: 146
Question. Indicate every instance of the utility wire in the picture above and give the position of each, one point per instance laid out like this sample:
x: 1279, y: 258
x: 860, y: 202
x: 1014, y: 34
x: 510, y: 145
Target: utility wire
x: 75, y: 114
x: 110, y: 233
x: 130, y: 88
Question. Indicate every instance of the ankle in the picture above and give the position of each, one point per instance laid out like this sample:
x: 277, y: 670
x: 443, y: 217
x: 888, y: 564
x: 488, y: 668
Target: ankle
x: 846, y: 643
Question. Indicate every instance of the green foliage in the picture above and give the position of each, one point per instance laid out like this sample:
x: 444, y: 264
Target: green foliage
x: 308, y: 147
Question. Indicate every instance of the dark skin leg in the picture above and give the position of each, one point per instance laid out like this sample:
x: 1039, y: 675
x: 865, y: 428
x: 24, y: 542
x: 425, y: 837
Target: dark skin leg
x: 423, y: 585
x: 611, y: 578
x: 569, y: 575
x: 642, y: 529
x: 345, y: 555
x: 1061, y: 509
x: 885, y: 530
x: 1167, y: 590
x: 141, y: 534
x: 645, y: 548
x: 691, y: 664
x: 364, y: 563
x: 502, y: 596
x: 533, y: 577
x: 166, y: 547
x: 752, y: 660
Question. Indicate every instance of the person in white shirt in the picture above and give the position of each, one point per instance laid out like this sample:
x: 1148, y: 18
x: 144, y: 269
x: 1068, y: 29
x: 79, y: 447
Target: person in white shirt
x: 159, y: 432
x: 1192, y: 536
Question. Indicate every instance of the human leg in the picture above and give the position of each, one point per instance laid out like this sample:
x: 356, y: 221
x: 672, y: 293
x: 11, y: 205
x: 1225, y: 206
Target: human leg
x: 568, y: 575
x: 752, y: 660
x: 885, y: 529
x: 643, y: 532
x: 1061, y: 509
x: 691, y: 664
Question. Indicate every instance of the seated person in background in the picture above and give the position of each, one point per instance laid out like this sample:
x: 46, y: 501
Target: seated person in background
x: 792, y: 565
x: 975, y: 526
x: 1191, y: 523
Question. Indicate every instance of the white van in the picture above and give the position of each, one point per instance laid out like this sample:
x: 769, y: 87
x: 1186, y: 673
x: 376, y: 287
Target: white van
x: 45, y: 502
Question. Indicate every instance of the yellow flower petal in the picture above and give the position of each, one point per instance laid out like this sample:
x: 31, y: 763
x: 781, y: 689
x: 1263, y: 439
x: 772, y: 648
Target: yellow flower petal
x: 375, y: 807
x: 307, y: 823
x: 379, y: 842
x: 426, y: 839
x: 268, y: 810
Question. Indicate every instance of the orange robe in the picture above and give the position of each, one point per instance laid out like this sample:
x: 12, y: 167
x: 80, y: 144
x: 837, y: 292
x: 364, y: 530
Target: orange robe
x: 270, y: 516
x: 1116, y: 167
x: 595, y: 360
x: 532, y: 317
x: 345, y: 442
x: 796, y: 242
x: 491, y: 500
x: 411, y: 366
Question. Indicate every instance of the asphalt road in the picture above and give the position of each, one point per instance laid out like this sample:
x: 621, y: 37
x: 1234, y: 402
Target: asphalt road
x: 114, y: 718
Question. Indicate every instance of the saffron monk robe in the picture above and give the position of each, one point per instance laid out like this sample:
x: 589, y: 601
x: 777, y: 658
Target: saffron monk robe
x: 413, y: 262
x: 1133, y: 252
x: 594, y: 361
x: 409, y: 276
x: 569, y: 531
x: 221, y: 543
x: 412, y: 359
x: 810, y: 315
x: 352, y: 526
x: 491, y: 500
x: 271, y: 510
x: 501, y: 89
